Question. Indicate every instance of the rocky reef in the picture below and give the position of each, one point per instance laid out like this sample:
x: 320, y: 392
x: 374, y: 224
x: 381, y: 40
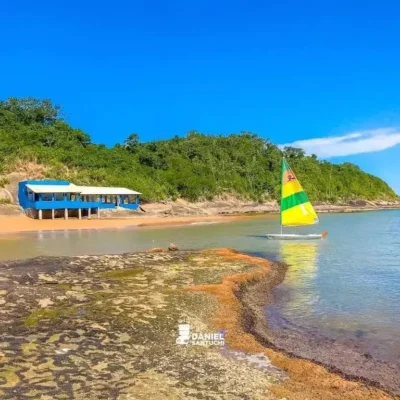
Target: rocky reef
x: 106, y: 327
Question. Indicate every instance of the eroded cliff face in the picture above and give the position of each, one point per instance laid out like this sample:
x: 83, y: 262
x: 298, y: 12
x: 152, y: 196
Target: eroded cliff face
x: 9, y: 191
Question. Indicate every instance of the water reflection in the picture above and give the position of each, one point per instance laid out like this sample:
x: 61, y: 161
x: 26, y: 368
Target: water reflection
x: 298, y: 288
x: 302, y: 261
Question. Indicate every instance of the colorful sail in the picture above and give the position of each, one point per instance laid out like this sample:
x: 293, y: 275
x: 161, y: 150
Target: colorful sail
x: 296, y: 208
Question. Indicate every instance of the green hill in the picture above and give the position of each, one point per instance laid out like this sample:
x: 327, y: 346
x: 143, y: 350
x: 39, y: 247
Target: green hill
x: 194, y: 167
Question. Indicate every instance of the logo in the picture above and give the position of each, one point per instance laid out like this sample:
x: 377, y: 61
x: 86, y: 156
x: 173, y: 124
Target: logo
x: 291, y: 177
x: 185, y: 337
x: 183, y: 334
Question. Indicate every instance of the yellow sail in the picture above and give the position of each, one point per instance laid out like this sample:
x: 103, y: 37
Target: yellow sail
x: 296, y: 208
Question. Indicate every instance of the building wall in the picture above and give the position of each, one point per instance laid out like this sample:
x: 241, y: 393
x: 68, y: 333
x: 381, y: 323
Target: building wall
x: 62, y: 200
x: 23, y: 191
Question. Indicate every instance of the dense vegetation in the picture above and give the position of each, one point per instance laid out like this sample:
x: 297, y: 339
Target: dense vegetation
x: 194, y: 167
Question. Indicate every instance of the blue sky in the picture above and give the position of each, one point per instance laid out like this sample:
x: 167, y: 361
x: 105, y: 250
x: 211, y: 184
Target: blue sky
x: 289, y: 71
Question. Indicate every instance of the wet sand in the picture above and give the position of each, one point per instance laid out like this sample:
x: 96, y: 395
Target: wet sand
x: 10, y: 224
x: 15, y: 224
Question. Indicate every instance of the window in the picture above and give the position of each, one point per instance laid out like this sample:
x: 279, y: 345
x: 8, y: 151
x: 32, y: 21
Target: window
x: 132, y: 199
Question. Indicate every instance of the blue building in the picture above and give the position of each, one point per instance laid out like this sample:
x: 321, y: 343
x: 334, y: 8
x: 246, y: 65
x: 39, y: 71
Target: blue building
x: 65, y: 198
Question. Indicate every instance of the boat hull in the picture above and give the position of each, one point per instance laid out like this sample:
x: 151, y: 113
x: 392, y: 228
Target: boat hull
x: 293, y: 236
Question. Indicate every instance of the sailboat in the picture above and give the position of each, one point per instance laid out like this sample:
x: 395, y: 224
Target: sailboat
x: 296, y: 209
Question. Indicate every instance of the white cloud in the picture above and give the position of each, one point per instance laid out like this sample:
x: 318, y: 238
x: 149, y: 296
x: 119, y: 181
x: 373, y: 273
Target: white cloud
x: 367, y: 141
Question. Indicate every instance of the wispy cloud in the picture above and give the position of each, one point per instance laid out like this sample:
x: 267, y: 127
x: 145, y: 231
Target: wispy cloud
x: 367, y: 141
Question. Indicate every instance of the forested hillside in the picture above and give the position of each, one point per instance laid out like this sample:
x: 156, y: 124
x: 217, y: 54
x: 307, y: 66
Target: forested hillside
x: 193, y: 167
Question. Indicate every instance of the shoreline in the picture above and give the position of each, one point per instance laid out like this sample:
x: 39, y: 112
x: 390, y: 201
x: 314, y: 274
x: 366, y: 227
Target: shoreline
x: 242, y: 299
x: 21, y: 223
x: 98, y: 313
x: 342, y: 359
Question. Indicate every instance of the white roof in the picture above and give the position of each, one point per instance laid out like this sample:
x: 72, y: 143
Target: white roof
x: 86, y: 190
x: 71, y: 188
x: 104, y: 190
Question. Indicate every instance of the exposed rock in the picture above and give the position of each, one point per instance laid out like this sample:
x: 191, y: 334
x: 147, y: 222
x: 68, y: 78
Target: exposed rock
x: 99, y: 327
x: 119, y: 340
x: 173, y: 247
x: 108, y: 329
x: 155, y: 250
x: 24, y: 170
x: 5, y: 195
x: 232, y: 206
x: 26, y: 278
x: 45, y: 302
x: 118, y: 212
x: 47, y: 278
x: 358, y: 203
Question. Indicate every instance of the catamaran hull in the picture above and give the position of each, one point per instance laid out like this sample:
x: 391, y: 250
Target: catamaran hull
x: 293, y: 236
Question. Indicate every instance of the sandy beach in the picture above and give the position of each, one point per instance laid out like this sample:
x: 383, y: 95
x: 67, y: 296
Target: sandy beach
x: 16, y: 224
x: 178, y: 213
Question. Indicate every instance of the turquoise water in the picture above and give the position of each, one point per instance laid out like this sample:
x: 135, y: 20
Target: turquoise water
x: 346, y: 286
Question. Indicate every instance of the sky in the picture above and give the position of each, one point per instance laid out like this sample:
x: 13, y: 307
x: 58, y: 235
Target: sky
x: 321, y: 75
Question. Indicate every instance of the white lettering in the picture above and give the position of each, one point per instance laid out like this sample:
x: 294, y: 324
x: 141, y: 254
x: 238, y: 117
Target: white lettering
x: 199, y: 338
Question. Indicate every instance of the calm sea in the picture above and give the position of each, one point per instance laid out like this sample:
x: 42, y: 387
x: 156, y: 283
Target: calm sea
x: 346, y: 286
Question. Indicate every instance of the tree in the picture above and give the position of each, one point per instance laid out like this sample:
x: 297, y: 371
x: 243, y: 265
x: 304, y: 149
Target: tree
x: 132, y: 142
x: 28, y: 110
x: 193, y: 167
x: 293, y: 152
